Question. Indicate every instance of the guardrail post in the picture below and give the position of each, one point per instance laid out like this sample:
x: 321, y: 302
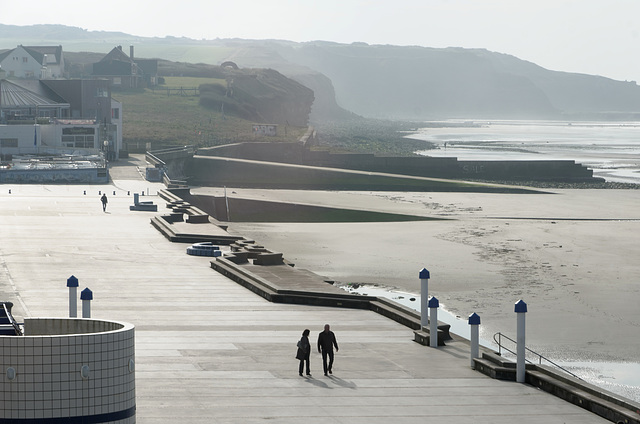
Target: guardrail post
x: 474, y: 322
x: 521, y: 310
x: 433, y: 322
x: 87, y: 296
x: 72, y: 283
x: 424, y: 297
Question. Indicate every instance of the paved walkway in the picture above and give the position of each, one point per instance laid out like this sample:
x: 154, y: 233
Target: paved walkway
x: 210, y: 351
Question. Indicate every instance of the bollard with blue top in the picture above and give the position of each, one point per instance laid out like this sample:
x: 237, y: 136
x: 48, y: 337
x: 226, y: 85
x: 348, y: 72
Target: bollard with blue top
x: 521, y: 310
x: 433, y: 322
x: 424, y: 297
x: 72, y: 283
x: 86, y: 296
x: 474, y: 322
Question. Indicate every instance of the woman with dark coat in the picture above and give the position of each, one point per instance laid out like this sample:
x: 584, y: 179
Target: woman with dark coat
x: 304, y: 351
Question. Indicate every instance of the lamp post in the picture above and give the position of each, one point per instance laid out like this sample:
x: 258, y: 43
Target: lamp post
x: 424, y: 297
x: 474, y: 322
x: 521, y: 311
x: 86, y: 296
x: 433, y: 322
x: 72, y: 283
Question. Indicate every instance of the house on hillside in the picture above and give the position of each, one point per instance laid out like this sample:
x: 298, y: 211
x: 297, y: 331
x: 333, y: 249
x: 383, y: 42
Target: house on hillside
x: 59, y: 117
x: 33, y: 62
x: 125, y: 71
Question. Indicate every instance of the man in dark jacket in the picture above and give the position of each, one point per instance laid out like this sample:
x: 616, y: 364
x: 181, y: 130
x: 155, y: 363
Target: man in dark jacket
x: 326, y: 342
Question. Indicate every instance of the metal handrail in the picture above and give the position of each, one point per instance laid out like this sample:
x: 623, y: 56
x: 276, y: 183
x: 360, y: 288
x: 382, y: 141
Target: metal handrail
x: 497, y: 337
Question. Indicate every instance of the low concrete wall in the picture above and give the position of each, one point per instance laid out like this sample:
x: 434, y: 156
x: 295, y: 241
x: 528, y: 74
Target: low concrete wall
x: 59, y: 176
x: 218, y: 172
x: 421, y: 166
x: 60, y: 326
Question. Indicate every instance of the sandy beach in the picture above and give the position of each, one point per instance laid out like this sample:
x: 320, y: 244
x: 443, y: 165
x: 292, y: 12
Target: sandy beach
x: 571, y: 255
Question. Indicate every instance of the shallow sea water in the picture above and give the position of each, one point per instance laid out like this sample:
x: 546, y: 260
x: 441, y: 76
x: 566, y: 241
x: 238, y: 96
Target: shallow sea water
x: 611, y: 149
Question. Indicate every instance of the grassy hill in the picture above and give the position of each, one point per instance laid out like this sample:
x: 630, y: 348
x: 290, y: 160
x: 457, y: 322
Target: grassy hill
x: 153, y: 116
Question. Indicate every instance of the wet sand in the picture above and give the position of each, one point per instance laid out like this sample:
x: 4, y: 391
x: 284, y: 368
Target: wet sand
x: 571, y: 255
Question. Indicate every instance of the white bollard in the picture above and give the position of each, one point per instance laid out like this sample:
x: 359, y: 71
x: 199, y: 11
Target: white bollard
x: 433, y: 322
x: 86, y: 296
x: 521, y: 310
x: 474, y: 322
x: 424, y: 297
x: 72, y: 283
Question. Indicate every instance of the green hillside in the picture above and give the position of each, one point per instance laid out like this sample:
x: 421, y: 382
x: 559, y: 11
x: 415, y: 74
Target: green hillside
x: 169, y: 120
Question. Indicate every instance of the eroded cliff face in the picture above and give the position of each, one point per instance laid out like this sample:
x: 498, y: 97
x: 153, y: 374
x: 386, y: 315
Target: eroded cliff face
x: 260, y: 95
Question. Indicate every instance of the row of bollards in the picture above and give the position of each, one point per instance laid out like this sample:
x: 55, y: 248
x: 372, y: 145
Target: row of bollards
x: 86, y: 296
x: 429, y: 318
x: 84, y: 192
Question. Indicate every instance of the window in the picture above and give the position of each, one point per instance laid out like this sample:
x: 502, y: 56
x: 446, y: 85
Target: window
x: 78, y: 137
x: 8, y: 142
x: 115, y: 113
x: 25, y: 59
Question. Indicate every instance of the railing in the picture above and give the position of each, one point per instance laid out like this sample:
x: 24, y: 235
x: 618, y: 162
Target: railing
x: 182, y: 91
x: 498, y: 339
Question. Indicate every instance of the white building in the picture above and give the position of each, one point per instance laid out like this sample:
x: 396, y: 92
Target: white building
x: 33, y: 62
x: 37, y: 120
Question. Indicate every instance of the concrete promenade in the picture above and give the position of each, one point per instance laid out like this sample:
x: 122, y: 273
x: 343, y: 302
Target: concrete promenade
x: 210, y: 351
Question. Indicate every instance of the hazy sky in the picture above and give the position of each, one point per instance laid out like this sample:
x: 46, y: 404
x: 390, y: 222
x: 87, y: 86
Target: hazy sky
x: 600, y: 37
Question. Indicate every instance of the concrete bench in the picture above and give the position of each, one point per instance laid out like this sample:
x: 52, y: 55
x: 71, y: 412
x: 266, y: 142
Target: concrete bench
x: 173, y: 217
x: 198, y: 219
x: 271, y: 258
x: 174, y: 203
x: 235, y: 247
x: 142, y: 206
x: 238, y: 257
x: 254, y: 249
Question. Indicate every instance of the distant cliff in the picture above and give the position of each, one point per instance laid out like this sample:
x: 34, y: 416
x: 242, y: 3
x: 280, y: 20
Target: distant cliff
x: 260, y: 95
x: 427, y: 83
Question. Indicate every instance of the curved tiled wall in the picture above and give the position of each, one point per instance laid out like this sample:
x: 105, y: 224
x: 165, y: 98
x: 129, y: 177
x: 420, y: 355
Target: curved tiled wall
x: 68, y: 370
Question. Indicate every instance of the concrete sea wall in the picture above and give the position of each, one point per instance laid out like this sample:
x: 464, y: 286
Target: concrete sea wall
x: 221, y: 171
x: 421, y: 166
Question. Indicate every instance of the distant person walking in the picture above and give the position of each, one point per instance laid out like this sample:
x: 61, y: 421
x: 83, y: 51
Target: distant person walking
x: 304, y: 351
x: 104, y: 201
x: 326, y: 342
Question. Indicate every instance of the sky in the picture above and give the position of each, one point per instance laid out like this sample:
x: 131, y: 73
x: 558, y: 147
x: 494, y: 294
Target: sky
x: 598, y: 37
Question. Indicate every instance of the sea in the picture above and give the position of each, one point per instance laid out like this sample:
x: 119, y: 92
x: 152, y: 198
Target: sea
x: 610, y: 149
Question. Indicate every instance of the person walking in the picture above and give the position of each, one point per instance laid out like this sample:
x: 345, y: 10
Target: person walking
x: 104, y: 201
x: 326, y: 342
x: 304, y: 351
